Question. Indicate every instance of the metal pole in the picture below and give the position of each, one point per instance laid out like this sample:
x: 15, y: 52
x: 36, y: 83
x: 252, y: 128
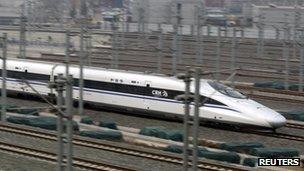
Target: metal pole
x: 297, y: 19
x: 192, y: 30
x: 233, y: 55
x: 87, y: 38
x: 127, y: 26
x: 180, y: 38
x: 226, y: 32
x: 208, y: 30
x: 123, y: 35
x: 114, y: 46
x: 187, y: 102
x: 180, y: 41
x: 260, y: 44
x: 242, y: 33
x: 197, y: 100
x: 60, y: 89
x: 175, y: 38
x: 4, y: 75
x: 159, y: 26
x: 301, y: 71
x: 199, y: 47
x: 67, y: 51
x: 68, y: 103
x: 139, y: 20
x: 80, y: 102
x: 218, y: 54
x: 69, y: 127
x: 286, y: 56
x: 22, y: 45
x: 277, y: 33
x: 160, y: 51
x: 143, y: 24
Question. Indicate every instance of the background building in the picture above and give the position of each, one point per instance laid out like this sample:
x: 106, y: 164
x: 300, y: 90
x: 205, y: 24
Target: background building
x: 163, y: 11
x: 9, y: 11
x: 278, y: 16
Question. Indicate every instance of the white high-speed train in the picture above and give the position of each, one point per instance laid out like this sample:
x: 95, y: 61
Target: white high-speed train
x: 144, y: 93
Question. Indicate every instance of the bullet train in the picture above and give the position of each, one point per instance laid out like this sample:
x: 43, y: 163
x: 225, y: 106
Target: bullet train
x: 149, y: 94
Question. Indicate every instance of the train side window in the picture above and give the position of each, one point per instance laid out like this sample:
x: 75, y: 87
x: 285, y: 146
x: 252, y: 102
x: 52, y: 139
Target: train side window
x: 134, y: 82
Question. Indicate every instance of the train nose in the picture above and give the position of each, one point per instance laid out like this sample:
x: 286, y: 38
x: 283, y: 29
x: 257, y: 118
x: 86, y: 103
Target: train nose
x: 277, y: 122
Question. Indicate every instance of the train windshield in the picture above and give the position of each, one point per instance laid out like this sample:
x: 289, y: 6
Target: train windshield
x: 226, y: 90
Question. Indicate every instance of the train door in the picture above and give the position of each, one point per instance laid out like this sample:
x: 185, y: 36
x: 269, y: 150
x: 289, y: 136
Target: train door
x: 147, y: 93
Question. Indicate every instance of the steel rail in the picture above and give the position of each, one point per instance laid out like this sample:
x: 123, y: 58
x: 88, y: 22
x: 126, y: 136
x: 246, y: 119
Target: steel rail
x: 295, y: 125
x: 52, y: 157
x: 112, y: 147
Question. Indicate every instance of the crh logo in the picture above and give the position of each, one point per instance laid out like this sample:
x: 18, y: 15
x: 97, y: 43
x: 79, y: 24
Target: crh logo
x: 160, y: 93
x: 279, y: 162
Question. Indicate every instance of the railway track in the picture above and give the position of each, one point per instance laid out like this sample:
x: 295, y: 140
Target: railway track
x: 113, y: 147
x: 294, y: 125
x: 208, y: 58
x: 281, y: 136
x: 148, y: 65
x: 272, y: 94
x: 247, y: 46
x: 52, y: 157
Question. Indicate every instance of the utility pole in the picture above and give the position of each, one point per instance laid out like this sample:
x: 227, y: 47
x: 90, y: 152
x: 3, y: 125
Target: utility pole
x: 233, y: 53
x: 59, y: 84
x: 218, y: 53
x: 4, y: 75
x: 67, y: 51
x: 69, y: 126
x: 114, y: 62
x: 140, y: 22
x: 180, y: 42
x: 242, y: 33
x: 286, y: 42
x: 175, y: 49
x: 88, y: 40
x: 208, y: 30
x: 187, y: 123
x: 160, y: 50
x: 277, y: 30
x: 188, y: 120
x: 81, y: 60
x: 192, y: 30
x: 69, y: 104
x: 301, y: 70
x: 197, y: 102
x: 200, y: 44
x: 123, y: 30
x: 297, y: 20
x: 260, y: 43
x: 22, y: 41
